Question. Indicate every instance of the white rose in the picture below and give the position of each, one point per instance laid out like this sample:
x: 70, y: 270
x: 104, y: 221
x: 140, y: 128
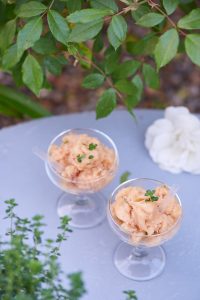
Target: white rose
x: 174, y: 141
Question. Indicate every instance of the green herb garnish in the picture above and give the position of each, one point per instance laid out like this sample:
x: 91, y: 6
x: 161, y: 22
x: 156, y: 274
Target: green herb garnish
x: 124, y: 177
x: 131, y: 295
x: 152, y: 197
x: 92, y: 146
x: 91, y: 156
x: 80, y: 157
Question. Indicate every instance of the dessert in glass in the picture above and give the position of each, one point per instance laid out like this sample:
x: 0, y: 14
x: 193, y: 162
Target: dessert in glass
x: 81, y: 162
x: 144, y: 213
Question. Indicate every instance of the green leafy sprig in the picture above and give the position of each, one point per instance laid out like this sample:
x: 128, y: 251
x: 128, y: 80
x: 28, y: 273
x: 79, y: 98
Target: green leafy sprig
x: 29, y: 267
x: 151, y: 196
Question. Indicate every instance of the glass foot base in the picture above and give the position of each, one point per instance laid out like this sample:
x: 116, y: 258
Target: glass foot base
x: 85, y: 211
x: 138, y: 264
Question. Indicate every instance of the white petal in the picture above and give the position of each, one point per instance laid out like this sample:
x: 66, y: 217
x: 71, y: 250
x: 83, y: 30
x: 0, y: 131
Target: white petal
x: 172, y: 112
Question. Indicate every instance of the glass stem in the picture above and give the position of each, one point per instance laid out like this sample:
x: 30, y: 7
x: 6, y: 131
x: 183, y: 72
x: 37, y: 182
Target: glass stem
x: 139, y: 252
x: 81, y: 200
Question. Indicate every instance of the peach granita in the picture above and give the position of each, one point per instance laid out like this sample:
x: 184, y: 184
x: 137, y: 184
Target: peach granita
x: 82, y: 162
x: 149, y: 217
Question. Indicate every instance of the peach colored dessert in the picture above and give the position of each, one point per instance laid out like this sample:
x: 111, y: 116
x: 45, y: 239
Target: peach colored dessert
x: 149, y: 217
x: 83, y: 162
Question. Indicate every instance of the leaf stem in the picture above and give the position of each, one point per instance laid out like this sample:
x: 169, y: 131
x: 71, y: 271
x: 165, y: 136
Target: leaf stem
x: 51, y: 4
x: 109, y: 81
x: 157, y: 7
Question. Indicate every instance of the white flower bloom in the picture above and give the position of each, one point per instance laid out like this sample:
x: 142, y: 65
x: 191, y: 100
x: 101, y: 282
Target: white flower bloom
x: 174, y: 141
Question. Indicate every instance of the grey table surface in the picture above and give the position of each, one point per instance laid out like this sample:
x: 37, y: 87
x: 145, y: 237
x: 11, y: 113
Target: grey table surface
x: 23, y: 177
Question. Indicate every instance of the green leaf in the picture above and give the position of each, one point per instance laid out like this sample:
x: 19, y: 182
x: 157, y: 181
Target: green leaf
x: 137, y: 81
x: 150, y: 76
x: 21, y: 103
x: 140, y: 12
x: 124, y: 177
x: 166, y: 47
x: 191, y: 21
x: 117, y: 31
x: 106, y: 104
x: 84, y: 32
x: 7, y: 34
x: 104, y: 4
x: 29, y: 34
x: 32, y: 74
x: 93, y: 81
x: 85, y: 52
x: 45, y: 45
x: 192, y: 47
x: 126, y: 69
x: 11, y: 57
x: 54, y: 64
x: 58, y: 26
x: 88, y: 15
x: 17, y: 74
x: 170, y: 6
x: 111, y: 61
x: 132, y: 100
x: 31, y: 9
x: 143, y: 46
x: 73, y: 5
x: 125, y: 86
x: 150, y: 20
x: 98, y: 43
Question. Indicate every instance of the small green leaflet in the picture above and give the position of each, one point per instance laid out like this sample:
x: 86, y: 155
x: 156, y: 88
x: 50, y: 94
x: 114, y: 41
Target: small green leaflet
x: 150, y: 76
x: 190, y: 21
x: 73, y: 5
x: 192, y: 47
x: 106, y: 104
x: 93, y: 81
x: 84, y: 32
x: 7, y: 34
x: 11, y: 57
x: 140, y: 12
x: 31, y: 9
x: 104, y: 4
x: 166, y: 47
x: 58, y: 26
x: 125, y: 69
x: 126, y: 86
x: 29, y: 34
x: 150, y: 20
x: 45, y: 45
x: 170, y: 6
x: 117, y: 31
x: 88, y: 15
x: 132, y: 100
x: 124, y: 177
x: 92, y: 146
x: 151, y: 195
x: 32, y: 74
x: 54, y: 65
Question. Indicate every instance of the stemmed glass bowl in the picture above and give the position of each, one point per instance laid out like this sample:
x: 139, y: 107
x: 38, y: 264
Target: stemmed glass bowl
x: 140, y: 257
x: 81, y: 200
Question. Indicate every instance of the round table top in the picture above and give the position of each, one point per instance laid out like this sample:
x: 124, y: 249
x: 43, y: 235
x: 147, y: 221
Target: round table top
x: 23, y: 177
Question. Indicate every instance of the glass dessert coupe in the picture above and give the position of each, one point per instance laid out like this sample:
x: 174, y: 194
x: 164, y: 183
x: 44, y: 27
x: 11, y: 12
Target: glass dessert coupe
x: 140, y: 256
x: 81, y: 162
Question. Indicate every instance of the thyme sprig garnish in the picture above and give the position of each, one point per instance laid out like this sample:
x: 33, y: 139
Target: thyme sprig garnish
x: 151, y: 195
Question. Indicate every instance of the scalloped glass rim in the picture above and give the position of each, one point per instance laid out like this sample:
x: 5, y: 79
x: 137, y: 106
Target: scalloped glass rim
x: 116, y: 161
x: 139, y: 235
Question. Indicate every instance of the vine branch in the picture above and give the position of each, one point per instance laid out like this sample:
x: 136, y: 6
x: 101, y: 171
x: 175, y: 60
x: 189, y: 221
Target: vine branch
x: 95, y: 66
